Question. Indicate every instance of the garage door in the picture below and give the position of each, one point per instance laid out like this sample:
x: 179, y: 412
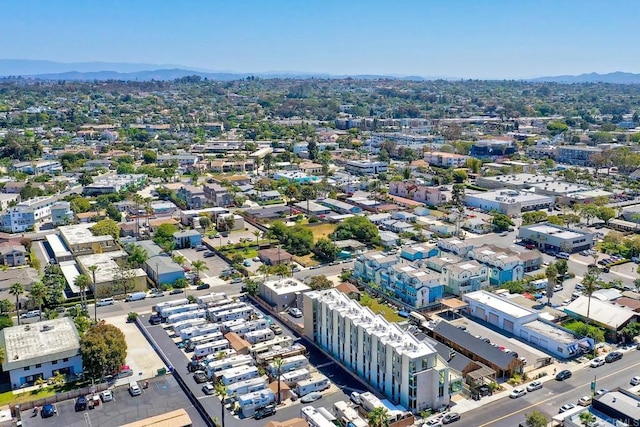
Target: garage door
x: 493, y: 319
x: 507, y: 325
x: 480, y: 313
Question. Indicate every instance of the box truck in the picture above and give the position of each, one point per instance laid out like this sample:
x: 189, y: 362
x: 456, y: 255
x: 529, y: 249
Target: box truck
x: 136, y: 296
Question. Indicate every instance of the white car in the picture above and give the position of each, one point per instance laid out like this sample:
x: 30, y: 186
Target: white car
x: 517, y: 392
x: 598, y: 361
x: 295, y: 312
x: 566, y: 407
x: 208, y: 388
x: 635, y: 381
x: 106, y: 396
x: 134, y: 389
x: 535, y: 385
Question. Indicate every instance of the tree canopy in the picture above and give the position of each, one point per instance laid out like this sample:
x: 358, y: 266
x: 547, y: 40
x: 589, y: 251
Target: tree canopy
x: 359, y: 228
x: 104, y: 350
x: 106, y: 227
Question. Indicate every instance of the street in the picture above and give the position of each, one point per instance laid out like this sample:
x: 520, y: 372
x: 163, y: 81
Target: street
x: 509, y: 412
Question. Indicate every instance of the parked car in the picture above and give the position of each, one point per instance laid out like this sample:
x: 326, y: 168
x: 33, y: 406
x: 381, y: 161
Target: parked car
x: 81, y: 404
x: 176, y: 291
x: 201, y: 248
x: 265, y: 412
x: 602, y: 391
x: 450, y: 418
x: 155, y: 319
x: 597, y: 362
x: 277, y: 330
x: 584, y: 401
x: 562, y: 255
x: 635, y: 381
x: 209, y: 254
x: 295, y: 312
x: 355, y: 397
x: 614, y: 356
x: 106, y: 396
x: 105, y: 301
x: 48, y: 410
x: 208, y: 388
x: 203, y: 286
x: 30, y: 314
x: 517, y: 392
x: 311, y: 397
x: 134, y: 389
x: 563, y: 375
x: 566, y: 407
x: 535, y: 385
x: 157, y: 293
x: 246, y: 263
x: 200, y: 377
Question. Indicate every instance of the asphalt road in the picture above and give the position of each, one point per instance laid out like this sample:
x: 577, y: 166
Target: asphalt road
x: 509, y: 412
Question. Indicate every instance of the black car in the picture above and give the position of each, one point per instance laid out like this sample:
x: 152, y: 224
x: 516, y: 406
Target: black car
x: 265, y: 412
x: 563, y: 375
x: 176, y: 291
x: 203, y: 286
x: 200, y: 377
x: 209, y: 254
x: 81, y: 403
x: 155, y: 319
x: 613, y: 357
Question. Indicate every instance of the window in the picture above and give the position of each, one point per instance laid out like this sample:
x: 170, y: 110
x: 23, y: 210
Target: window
x: 26, y: 368
x: 66, y: 359
x: 38, y: 365
x: 55, y: 362
x: 559, y: 349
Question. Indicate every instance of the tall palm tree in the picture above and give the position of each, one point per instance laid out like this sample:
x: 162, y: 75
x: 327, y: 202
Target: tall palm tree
x: 138, y: 199
x: 16, y: 290
x: 590, y: 285
x: 199, y: 266
x: 257, y: 233
x: 264, y: 269
x: 92, y: 269
x: 180, y: 260
x: 379, y: 417
x: 82, y: 282
x: 38, y: 293
x: 277, y: 364
x: 220, y: 390
x: 552, y: 275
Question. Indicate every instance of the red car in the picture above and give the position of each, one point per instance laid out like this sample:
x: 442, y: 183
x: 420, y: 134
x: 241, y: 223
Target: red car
x: 530, y: 246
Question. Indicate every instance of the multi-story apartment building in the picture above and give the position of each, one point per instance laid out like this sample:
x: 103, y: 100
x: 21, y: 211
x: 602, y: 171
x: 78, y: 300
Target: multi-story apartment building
x: 39, y: 167
x: 504, y: 265
x: 576, y: 154
x: 182, y: 160
x: 217, y: 195
x: 114, y: 184
x: 61, y: 213
x: 446, y: 160
x: 194, y: 197
x: 431, y: 196
x: 26, y: 214
x: 367, y: 265
x: 365, y: 168
x: 463, y: 277
x: 409, y: 372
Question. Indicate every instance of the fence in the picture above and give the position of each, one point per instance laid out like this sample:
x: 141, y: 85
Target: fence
x: 59, y: 397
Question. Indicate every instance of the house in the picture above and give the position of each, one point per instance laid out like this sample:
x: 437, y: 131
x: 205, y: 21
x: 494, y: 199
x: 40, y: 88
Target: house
x: 217, y: 195
x: 456, y: 246
x: 310, y: 168
x: 312, y: 208
x: 340, y: 207
x: 446, y: 160
x: 193, y: 197
x: 431, y: 196
x: 160, y: 267
x: 7, y: 199
x: 187, y: 239
x: 12, y: 255
x: 274, y: 256
x: 229, y: 222
x: 504, y: 264
x: 40, y: 350
x: 463, y: 277
x: 610, y: 317
x: 61, y: 213
x: 265, y: 196
x: 389, y: 239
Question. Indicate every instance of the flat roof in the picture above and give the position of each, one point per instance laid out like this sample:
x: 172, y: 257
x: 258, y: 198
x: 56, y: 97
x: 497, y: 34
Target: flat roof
x: 505, y: 196
x: 57, y: 246
x: 70, y: 272
x: 108, y: 269
x: 557, y: 334
x: 80, y: 233
x: 286, y: 286
x: 501, y: 304
x: 41, y: 342
x: 556, y: 231
x: 622, y: 402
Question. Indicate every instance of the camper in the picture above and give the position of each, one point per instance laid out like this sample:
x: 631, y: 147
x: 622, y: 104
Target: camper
x: 200, y: 363
x: 227, y: 363
x: 244, y: 313
x: 234, y: 375
x: 210, y: 348
x: 203, y: 339
x: 251, y: 325
x: 314, y: 418
x: 292, y: 378
x: 283, y: 353
x: 187, y: 315
x: 317, y: 382
x: 250, y: 402
x: 226, y: 326
x: 196, y: 331
x: 263, y: 347
x: 539, y: 285
x: 262, y: 335
x: 246, y: 386
x: 136, y: 296
x: 416, y: 318
x: 174, y: 303
x: 178, y: 327
x: 165, y: 312
x: 212, y: 298
x: 212, y: 311
x: 288, y: 364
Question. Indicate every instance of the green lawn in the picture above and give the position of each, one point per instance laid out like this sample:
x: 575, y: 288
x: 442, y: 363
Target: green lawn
x: 386, y: 311
x: 247, y: 253
x: 10, y: 398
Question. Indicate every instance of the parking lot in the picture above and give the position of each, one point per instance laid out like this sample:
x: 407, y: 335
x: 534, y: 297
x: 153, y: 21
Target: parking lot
x: 523, y: 350
x: 214, y: 263
x: 163, y: 395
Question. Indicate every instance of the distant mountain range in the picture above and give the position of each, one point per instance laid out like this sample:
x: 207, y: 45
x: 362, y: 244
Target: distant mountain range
x: 50, y: 70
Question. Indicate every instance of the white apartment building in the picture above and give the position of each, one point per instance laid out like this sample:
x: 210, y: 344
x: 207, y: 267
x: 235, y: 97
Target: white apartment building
x: 407, y: 371
x: 365, y: 168
x: 25, y: 215
x: 431, y: 196
x: 465, y: 276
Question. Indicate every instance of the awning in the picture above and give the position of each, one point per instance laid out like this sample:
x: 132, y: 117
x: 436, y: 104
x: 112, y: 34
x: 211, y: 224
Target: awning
x: 453, y: 303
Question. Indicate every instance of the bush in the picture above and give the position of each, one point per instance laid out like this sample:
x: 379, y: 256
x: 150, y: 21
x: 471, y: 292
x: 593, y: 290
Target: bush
x: 132, y: 316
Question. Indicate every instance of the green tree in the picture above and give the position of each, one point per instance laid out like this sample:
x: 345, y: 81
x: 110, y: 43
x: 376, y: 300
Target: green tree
x: 536, y: 419
x: 326, y: 249
x: 104, y: 350
x: 501, y: 222
x: 113, y: 213
x: 220, y: 390
x: 379, y: 417
x: 563, y: 267
x: 587, y: 418
x: 149, y: 156
x: 199, y: 266
x: 552, y: 275
x: 320, y: 282
x: 17, y: 289
x: 80, y: 205
x: 37, y: 294
x: 83, y: 282
x: 278, y: 362
x: 359, y: 228
x: 606, y: 213
x: 6, y: 306
x: 137, y: 255
x: 460, y: 176
x: 106, y: 227
x: 251, y: 287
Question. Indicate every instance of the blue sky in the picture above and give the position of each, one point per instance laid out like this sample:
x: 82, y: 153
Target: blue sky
x: 434, y: 38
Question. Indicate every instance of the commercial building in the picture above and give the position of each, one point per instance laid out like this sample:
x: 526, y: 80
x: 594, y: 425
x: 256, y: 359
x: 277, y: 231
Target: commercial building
x: 26, y: 214
x: 407, y: 371
x: 431, y: 196
x: 520, y: 181
x: 492, y: 148
x: 81, y: 241
x: 579, y: 155
x: 553, y: 238
x: 610, y: 317
x: 365, y: 168
x: 283, y: 293
x: 110, y: 278
x: 525, y: 324
x: 114, y: 184
x: 160, y: 267
x: 445, y: 160
x: 509, y: 202
x: 39, y: 167
x: 39, y: 350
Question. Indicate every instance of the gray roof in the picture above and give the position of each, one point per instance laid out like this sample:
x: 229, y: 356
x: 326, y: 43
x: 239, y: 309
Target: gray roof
x: 163, y: 264
x: 149, y: 247
x: 482, y: 349
x: 185, y: 233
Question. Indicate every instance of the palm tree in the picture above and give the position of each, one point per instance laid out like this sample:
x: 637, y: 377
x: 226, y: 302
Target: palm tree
x: 199, y: 266
x: 82, y: 282
x: 38, y: 293
x: 552, y: 275
x: 277, y: 364
x: 137, y: 256
x: 220, y: 390
x: 179, y: 259
x: 379, y: 417
x: 138, y: 199
x: 264, y: 269
x: 257, y: 233
x: 16, y: 290
x: 92, y: 269
x: 590, y: 285
x: 587, y: 418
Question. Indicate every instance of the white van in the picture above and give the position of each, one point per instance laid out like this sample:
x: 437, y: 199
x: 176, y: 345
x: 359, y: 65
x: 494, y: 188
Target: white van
x: 105, y: 301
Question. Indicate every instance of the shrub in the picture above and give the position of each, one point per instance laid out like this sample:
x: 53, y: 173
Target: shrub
x: 132, y: 316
